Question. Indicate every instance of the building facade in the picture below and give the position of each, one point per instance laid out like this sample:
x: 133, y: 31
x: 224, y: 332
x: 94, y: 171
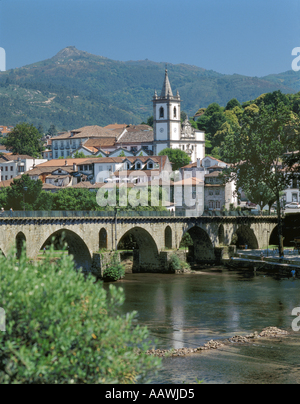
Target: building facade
x: 167, y: 128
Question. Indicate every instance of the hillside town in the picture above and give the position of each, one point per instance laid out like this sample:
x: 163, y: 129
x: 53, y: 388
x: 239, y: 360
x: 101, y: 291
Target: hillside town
x: 128, y: 155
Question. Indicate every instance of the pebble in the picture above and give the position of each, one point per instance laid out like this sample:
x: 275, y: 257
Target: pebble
x: 266, y: 332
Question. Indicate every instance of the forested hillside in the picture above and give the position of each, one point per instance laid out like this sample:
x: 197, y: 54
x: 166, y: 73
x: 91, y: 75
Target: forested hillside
x: 75, y: 88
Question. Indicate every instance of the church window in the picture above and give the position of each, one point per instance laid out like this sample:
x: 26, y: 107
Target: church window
x: 161, y: 112
x: 175, y: 112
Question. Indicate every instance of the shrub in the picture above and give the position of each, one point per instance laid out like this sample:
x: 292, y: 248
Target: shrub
x: 174, y: 262
x: 61, y: 328
x: 114, y: 270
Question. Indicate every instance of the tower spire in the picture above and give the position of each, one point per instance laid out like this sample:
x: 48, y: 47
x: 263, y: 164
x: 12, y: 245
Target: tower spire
x: 166, y: 89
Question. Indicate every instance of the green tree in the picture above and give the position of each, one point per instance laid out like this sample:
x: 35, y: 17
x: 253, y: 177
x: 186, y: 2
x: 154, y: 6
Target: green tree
x: 232, y: 104
x: 61, y: 328
x: 74, y: 199
x: 52, y: 131
x: 261, y: 194
x: 258, y: 151
x: 24, y: 139
x: 79, y: 155
x: 177, y: 157
x: 23, y: 189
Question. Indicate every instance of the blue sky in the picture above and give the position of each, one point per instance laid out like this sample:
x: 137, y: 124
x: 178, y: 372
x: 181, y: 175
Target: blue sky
x: 253, y: 38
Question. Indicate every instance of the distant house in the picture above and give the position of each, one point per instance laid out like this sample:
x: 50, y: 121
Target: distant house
x: 13, y: 165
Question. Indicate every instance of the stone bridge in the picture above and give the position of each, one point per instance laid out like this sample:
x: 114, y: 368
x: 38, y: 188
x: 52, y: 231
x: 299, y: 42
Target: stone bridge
x: 154, y: 238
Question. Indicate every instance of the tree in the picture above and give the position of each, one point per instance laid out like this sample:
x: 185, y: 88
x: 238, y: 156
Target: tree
x: 177, y: 157
x: 23, y: 189
x: 261, y: 194
x: 51, y: 334
x: 258, y: 151
x: 24, y: 139
x: 232, y: 104
x: 52, y: 131
x: 79, y: 155
x: 74, y: 199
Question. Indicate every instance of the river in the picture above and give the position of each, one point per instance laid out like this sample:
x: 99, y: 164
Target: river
x: 216, y: 303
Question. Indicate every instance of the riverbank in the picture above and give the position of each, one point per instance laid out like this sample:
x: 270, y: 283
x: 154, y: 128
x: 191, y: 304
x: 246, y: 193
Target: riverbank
x: 269, y: 332
x: 254, y: 261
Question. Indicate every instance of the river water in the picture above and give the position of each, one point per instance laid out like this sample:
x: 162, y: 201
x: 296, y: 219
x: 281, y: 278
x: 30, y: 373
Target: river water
x: 216, y: 303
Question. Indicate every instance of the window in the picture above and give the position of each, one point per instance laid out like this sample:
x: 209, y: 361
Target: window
x: 6, y: 168
x: 150, y: 165
x: 1, y: 168
x: 217, y: 192
x: 211, y: 204
x: 11, y: 168
x: 161, y: 112
x: 218, y: 205
x: 294, y: 197
x: 138, y: 166
x: 6, y: 177
x: 175, y: 111
x: 56, y: 155
x: 210, y: 192
x: 21, y: 169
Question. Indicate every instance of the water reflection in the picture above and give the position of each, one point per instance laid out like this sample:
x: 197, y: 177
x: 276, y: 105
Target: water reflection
x: 188, y: 310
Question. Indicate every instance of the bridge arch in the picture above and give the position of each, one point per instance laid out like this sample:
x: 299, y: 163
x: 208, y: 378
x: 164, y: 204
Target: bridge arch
x: 102, y: 238
x: 168, y: 238
x: 20, y: 243
x: 244, y: 235
x: 145, y: 251
x: 221, y: 234
x: 75, y: 245
x: 202, y: 250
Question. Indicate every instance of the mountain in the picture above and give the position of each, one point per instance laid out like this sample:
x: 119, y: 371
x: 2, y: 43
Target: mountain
x: 75, y: 88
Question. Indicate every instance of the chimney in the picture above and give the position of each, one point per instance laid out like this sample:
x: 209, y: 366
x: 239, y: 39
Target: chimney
x: 74, y: 167
x: 66, y: 162
x: 198, y: 163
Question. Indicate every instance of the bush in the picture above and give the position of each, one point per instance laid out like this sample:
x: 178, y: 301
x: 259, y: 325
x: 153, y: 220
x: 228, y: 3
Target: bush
x: 61, y: 328
x: 115, y: 270
x: 176, y: 264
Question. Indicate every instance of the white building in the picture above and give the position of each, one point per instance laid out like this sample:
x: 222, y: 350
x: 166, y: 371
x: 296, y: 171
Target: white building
x: 167, y: 128
x: 12, y: 165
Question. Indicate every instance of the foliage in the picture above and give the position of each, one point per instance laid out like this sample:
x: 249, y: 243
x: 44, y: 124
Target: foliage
x: 63, y: 329
x: 52, y: 131
x: 175, y: 264
x: 79, y: 155
x: 261, y: 194
x: 114, y: 269
x: 186, y: 240
x: 87, y: 89
x: 16, y: 193
x: 258, y: 151
x: 24, y: 139
x: 177, y: 157
x: 74, y: 199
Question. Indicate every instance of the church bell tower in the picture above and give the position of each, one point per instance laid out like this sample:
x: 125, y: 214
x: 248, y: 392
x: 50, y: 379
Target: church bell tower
x: 166, y: 117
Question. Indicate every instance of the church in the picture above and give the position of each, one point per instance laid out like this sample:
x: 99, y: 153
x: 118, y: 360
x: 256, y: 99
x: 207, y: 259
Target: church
x: 168, y: 130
